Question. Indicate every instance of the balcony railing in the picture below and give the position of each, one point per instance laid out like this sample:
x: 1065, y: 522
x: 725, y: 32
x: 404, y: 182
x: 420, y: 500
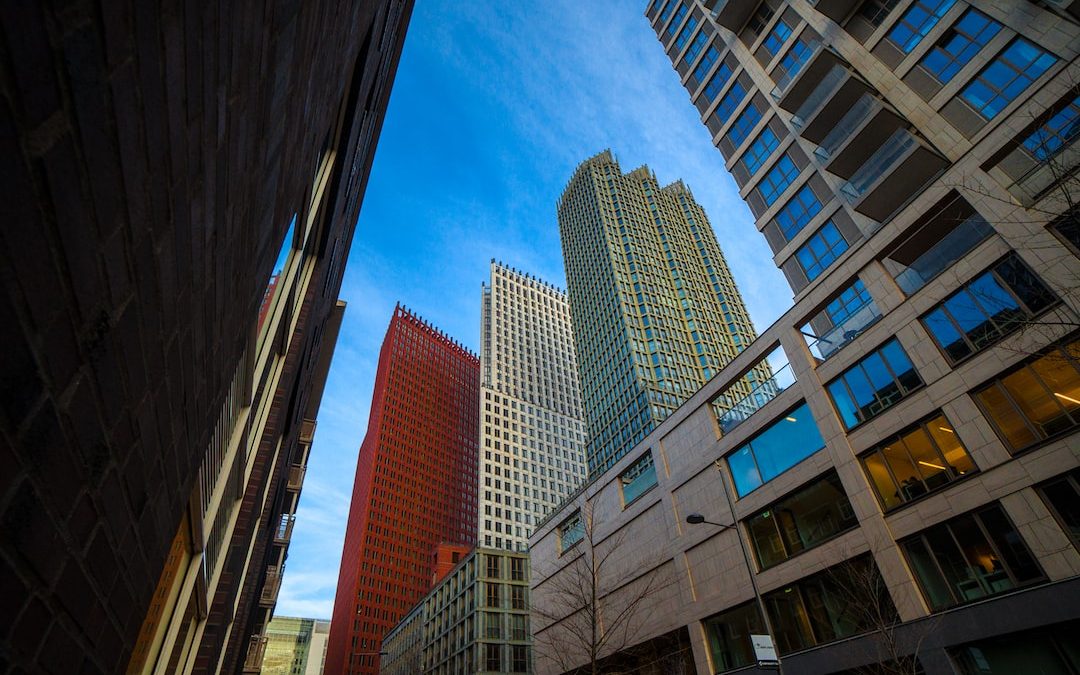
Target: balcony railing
x: 817, y: 98
x: 841, y: 335
x: 307, y: 431
x: 296, y: 478
x: 879, y: 164
x: 780, y: 376
x: 846, y: 127
x: 283, y: 533
x: 944, y: 253
x: 256, y: 650
x: 268, y: 597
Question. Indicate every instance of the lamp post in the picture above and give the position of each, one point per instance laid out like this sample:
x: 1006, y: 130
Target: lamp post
x: 698, y: 519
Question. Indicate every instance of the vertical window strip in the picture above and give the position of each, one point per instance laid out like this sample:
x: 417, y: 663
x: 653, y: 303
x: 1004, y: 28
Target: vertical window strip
x: 959, y: 45
x: 1008, y: 76
x: 821, y: 250
x: 917, y: 22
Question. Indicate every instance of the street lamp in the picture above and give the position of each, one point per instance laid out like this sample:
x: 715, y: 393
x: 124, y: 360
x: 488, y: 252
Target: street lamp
x: 698, y: 519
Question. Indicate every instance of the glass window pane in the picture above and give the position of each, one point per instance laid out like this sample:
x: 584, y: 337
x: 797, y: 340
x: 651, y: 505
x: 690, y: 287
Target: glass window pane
x: 957, y: 569
x: 934, y: 587
x: 986, y: 573
x: 729, y: 636
x: 929, y: 463
x: 901, y: 365
x: 767, y: 544
x: 941, y: 328
x: 1061, y: 377
x: 1035, y: 402
x: 1006, y: 417
x: 956, y: 457
x: 789, y: 620
x: 786, y: 443
x: 911, y: 485
x: 886, y: 488
x: 886, y: 390
x: 970, y: 316
x: 844, y: 405
x: 1025, y: 284
x: 1064, y: 500
x: 813, y: 514
x: 1017, y: 557
x: 744, y: 471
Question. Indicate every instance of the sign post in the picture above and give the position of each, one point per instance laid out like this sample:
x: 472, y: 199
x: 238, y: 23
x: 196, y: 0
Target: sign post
x: 765, y: 650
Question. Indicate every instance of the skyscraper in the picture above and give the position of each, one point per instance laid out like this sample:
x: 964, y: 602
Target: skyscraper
x: 656, y: 312
x: 182, y: 189
x: 532, y: 436
x: 415, y: 487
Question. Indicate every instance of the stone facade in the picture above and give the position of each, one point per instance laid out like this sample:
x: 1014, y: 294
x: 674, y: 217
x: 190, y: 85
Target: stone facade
x: 951, y: 465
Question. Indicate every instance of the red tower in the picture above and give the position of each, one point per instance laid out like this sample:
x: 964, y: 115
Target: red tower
x: 415, y: 487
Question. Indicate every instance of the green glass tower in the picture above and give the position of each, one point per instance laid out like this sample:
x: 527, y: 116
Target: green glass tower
x: 655, y: 310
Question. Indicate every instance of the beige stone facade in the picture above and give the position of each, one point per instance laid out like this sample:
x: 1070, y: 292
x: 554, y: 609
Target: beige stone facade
x: 934, y: 321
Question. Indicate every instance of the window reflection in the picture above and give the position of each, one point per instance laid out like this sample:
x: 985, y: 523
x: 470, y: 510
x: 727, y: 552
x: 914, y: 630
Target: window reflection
x: 782, y: 445
x: 874, y: 384
x: 802, y: 520
x: 1037, y: 401
x: 729, y: 634
x: 1062, y: 495
x: 918, y: 461
x: 970, y: 557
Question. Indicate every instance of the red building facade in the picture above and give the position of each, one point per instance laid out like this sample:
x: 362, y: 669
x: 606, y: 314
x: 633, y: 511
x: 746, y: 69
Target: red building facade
x: 415, y: 487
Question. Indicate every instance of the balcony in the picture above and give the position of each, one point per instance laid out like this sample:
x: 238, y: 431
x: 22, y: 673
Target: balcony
x: 1027, y: 177
x: 833, y: 97
x: 866, y: 125
x: 793, y: 91
x: 841, y: 334
x: 256, y: 650
x: 283, y: 532
x: 892, y: 175
x: 269, y: 594
x: 837, y: 10
x: 307, y: 431
x: 296, y: 478
x: 732, y: 14
x: 750, y: 393
x: 936, y: 246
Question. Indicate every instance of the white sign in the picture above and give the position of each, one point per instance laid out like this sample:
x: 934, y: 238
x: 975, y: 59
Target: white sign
x: 764, y: 649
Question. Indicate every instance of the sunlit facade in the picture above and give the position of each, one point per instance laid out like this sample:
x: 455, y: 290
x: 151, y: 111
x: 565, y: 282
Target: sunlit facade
x: 655, y: 310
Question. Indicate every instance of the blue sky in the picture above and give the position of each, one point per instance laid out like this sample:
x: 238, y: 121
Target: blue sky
x: 493, y: 107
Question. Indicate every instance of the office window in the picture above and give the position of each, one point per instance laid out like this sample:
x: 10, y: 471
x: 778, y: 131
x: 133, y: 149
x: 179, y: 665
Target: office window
x: 492, y: 625
x: 795, y: 59
x: 844, y: 600
x: 821, y: 250
x: 519, y: 655
x: 1067, y: 228
x: 492, y: 566
x: 695, y: 47
x: 959, y: 45
x: 801, y: 520
x: 1055, y: 133
x: 702, y: 69
x: 638, y: 479
x: 1062, y: 496
x: 987, y: 308
x: 571, y: 531
x: 517, y: 569
x: 794, y: 215
x: 776, y: 37
x: 917, y: 22
x: 874, y: 384
x: 517, y: 597
x: 918, y: 461
x: 761, y: 17
x: 519, y: 629
x: 742, y: 125
x: 782, y: 445
x: 779, y: 177
x: 1001, y: 82
x: 680, y: 14
x: 668, y: 8
x: 717, y: 81
x: 493, y: 657
x: 491, y: 594
x: 1039, y: 400
x: 730, y: 102
x: 760, y: 150
x: 728, y: 634
x: 970, y: 557
x: 1047, y: 649
x: 875, y: 11
x: 685, y: 33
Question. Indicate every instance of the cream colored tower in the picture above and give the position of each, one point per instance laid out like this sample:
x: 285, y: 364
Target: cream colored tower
x: 531, y: 434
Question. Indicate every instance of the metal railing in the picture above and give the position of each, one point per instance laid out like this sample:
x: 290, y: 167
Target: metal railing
x: 729, y: 417
x: 283, y: 533
x: 839, y: 336
x: 296, y: 478
x: 953, y: 246
x: 844, y: 129
x: 879, y: 164
x: 255, y: 652
x: 271, y: 586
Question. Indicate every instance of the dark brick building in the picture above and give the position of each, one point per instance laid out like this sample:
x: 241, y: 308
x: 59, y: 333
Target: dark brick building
x: 415, y: 487
x: 181, y: 185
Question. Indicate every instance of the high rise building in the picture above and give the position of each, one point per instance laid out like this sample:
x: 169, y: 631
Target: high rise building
x: 415, y: 487
x: 160, y: 392
x: 531, y: 434
x: 295, y: 646
x: 911, y: 498
x: 656, y: 312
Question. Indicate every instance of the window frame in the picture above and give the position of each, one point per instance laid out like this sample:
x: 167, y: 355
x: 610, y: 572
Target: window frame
x: 966, y: 46
x: 998, y: 99
x: 1071, y: 478
x: 642, y: 465
x: 891, y: 368
x: 934, y: 14
x: 817, y: 268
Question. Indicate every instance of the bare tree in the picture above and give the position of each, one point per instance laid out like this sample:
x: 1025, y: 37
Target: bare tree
x: 593, y: 603
x: 892, y: 647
